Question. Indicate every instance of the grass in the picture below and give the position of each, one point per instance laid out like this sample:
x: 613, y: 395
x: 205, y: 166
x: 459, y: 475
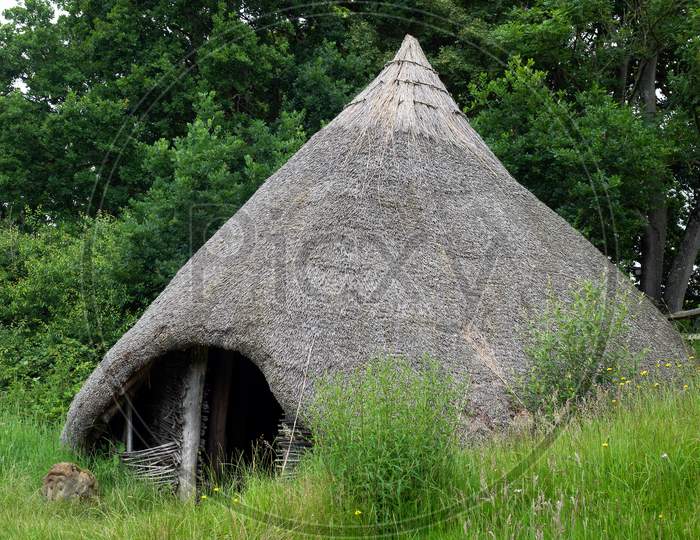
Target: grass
x: 386, y: 437
x: 624, y: 470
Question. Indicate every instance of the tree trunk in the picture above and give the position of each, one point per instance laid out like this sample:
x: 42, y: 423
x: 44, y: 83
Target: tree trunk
x: 622, y: 73
x: 647, y: 89
x: 653, y: 244
x: 654, y: 238
x: 683, y: 263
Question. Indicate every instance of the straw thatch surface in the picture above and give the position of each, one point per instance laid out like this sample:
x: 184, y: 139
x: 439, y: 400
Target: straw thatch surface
x: 393, y: 230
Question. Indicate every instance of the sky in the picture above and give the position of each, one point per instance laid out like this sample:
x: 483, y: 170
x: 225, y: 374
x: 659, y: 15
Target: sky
x: 4, y: 4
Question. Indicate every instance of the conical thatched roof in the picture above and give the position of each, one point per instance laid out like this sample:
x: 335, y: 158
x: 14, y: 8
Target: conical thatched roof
x: 393, y: 230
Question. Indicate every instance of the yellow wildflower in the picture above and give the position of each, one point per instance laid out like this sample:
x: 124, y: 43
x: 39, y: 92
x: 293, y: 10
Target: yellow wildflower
x: 605, y: 445
x: 656, y: 385
x: 644, y: 372
x: 203, y: 497
x: 236, y: 500
x: 358, y: 512
x: 614, y: 401
x: 609, y: 369
x: 216, y: 490
x: 668, y: 364
x: 685, y: 387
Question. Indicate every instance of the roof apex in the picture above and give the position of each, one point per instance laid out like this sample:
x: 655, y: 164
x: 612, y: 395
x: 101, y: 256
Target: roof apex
x: 408, y: 96
x: 411, y: 51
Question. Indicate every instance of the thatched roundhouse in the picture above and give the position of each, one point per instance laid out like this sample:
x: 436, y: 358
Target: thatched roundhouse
x: 393, y: 230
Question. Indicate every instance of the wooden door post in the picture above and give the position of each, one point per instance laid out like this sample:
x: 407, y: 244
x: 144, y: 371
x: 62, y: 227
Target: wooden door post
x: 129, y: 424
x: 191, y: 423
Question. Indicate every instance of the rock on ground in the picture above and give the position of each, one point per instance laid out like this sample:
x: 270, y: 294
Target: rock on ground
x: 66, y: 481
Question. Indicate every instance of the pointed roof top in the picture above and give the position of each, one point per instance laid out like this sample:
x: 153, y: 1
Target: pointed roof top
x: 408, y: 96
x: 411, y: 51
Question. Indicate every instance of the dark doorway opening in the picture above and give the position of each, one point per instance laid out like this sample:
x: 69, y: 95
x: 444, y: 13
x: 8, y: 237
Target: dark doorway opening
x: 243, y: 414
x: 194, y: 413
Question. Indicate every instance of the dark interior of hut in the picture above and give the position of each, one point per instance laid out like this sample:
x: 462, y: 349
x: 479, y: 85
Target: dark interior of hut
x: 243, y: 413
x: 239, y: 414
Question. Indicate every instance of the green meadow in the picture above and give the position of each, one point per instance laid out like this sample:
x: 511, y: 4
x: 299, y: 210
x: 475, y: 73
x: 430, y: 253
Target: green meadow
x: 623, y: 469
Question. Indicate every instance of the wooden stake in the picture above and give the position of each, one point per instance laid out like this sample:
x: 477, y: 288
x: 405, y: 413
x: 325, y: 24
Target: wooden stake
x: 192, y: 420
x: 129, y: 425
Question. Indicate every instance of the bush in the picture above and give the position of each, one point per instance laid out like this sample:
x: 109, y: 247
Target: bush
x: 576, y: 346
x: 58, y: 316
x: 386, y: 436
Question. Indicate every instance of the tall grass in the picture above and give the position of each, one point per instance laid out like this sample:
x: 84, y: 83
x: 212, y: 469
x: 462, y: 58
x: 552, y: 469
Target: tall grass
x: 386, y: 437
x: 624, y: 470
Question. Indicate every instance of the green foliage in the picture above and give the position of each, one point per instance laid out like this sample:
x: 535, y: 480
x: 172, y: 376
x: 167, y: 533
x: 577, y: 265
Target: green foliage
x: 53, y: 160
x: 60, y: 140
x: 592, y: 54
x: 69, y: 290
x: 236, y: 63
x: 386, y: 436
x: 199, y: 181
x: 58, y: 315
x: 99, y: 85
x: 328, y: 80
x: 577, y: 346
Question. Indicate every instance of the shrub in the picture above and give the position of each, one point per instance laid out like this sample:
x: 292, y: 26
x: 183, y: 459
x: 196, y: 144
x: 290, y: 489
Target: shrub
x: 386, y: 436
x: 57, y: 315
x: 576, y: 346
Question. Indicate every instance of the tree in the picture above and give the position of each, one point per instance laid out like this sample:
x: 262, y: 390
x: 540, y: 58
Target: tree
x: 582, y: 156
x: 200, y: 180
x: 92, y: 96
x: 645, y: 55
